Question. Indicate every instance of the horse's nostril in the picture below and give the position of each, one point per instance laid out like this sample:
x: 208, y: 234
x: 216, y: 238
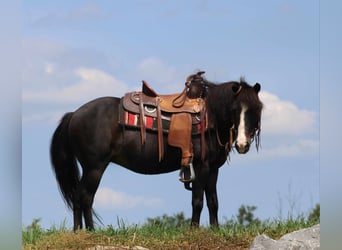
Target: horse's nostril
x: 242, y: 149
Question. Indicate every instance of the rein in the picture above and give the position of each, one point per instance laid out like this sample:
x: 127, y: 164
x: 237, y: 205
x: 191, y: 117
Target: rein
x: 182, y: 96
x: 180, y: 99
x: 228, y: 145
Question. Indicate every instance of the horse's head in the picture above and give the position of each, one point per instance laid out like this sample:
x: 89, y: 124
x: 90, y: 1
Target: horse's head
x: 246, y: 110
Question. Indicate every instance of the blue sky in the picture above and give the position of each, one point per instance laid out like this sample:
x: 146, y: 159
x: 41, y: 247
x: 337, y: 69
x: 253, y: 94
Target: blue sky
x: 76, y: 51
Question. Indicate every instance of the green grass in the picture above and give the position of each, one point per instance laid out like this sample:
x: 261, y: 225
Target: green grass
x: 166, y: 232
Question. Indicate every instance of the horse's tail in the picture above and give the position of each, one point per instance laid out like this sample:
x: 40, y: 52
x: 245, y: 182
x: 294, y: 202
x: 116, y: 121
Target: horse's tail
x: 64, y: 162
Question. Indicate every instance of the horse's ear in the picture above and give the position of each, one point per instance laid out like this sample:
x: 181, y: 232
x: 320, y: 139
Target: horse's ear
x: 257, y: 87
x: 236, y: 88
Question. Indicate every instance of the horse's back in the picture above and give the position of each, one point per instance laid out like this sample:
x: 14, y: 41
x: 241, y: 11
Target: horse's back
x: 99, y: 103
x: 95, y: 113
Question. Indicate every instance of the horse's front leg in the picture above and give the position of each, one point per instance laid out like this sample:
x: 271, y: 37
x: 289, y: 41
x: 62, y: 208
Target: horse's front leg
x: 211, y: 196
x: 197, y: 203
x: 198, y: 187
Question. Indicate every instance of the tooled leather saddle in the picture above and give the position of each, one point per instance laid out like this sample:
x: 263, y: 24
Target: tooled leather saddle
x: 179, y: 115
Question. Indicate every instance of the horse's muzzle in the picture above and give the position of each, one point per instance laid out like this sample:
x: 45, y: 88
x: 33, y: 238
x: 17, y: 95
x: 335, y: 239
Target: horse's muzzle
x: 242, y: 149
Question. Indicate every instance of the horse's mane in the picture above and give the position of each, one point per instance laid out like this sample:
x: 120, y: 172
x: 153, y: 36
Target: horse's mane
x: 246, y: 95
x: 222, y: 93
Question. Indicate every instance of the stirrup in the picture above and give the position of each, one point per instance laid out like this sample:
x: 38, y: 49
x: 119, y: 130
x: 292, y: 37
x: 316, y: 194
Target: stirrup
x: 182, y: 177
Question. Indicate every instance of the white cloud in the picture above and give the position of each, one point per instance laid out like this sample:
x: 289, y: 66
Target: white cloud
x: 285, y: 118
x: 92, y: 83
x: 275, y: 149
x: 108, y: 198
x: 297, y: 148
x: 287, y: 130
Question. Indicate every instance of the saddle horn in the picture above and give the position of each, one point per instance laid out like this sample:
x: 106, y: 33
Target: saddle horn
x: 197, y: 76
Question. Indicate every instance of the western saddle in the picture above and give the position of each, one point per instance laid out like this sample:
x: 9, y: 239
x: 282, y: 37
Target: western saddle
x: 182, y: 110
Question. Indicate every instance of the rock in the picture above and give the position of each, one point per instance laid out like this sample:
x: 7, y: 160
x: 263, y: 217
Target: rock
x: 308, y: 238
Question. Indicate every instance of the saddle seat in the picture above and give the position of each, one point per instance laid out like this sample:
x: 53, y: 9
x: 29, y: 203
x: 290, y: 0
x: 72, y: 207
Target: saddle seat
x: 182, y: 111
x: 174, y: 103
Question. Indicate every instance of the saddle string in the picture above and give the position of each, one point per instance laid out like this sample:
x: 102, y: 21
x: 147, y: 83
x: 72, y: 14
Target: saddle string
x: 160, y: 131
x: 142, y: 121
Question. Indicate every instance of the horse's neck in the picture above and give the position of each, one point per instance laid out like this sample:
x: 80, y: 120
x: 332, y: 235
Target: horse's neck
x: 219, y: 102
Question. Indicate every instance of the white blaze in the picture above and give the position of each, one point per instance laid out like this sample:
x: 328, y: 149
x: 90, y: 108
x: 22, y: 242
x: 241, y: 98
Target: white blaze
x: 241, y: 137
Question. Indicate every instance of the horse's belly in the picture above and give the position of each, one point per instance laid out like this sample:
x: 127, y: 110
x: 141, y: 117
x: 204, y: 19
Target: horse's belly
x: 146, y: 161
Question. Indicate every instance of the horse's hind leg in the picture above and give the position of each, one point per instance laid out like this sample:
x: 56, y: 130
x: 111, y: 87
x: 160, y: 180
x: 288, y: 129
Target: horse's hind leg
x: 88, y: 186
x: 77, y: 211
x: 92, y: 182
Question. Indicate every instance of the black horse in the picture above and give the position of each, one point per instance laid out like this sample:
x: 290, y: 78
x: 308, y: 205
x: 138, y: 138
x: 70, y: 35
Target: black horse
x: 93, y: 136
